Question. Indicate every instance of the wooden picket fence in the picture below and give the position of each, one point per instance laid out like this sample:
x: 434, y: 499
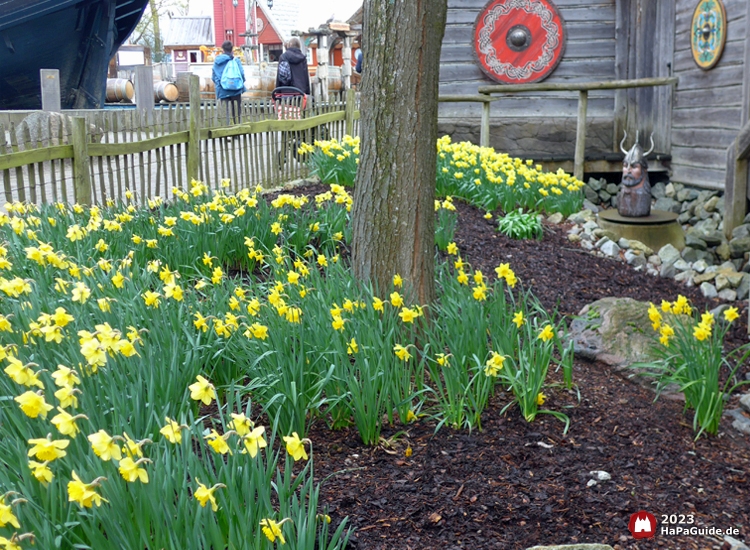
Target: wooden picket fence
x: 99, y: 155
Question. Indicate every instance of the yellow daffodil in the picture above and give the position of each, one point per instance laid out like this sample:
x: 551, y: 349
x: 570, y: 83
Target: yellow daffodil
x: 272, y: 530
x: 7, y: 517
x: 731, y: 314
x: 41, y: 471
x: 494, y: 364
x: 204, y: 495
x: 518, y: 318
x: 546, y: 334
x: 48, y: 449
x: 401, y: 352
x: 218, y: 442
x: 105, y: 446
x: 254, y: 441
x: 66, y: 422
x: 151, y: 298
x: 256, y: 330
x: 396, y: 299
x: 202, y: 390
x: 84, y: 493
x: 701, y: 332
x: 81, y: 293
x: 131, y: 470
x: 172, y: 431
x: 296, y: 446
x: 540, y: 398
x: 352, y: 347
x: 67, y: 397
x: 408, y: 315
x: 33, y: 404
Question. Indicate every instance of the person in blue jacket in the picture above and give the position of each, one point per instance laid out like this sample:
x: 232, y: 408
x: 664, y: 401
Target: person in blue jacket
x: 231, y: 98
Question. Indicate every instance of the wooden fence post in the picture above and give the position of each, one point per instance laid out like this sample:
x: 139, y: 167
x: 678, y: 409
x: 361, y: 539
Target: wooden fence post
x: 484, y: 132
x: 194, y: 131
x: 144, y: 92
x: 578, y: 164
x: 349, y: 110
x: 81, y: 162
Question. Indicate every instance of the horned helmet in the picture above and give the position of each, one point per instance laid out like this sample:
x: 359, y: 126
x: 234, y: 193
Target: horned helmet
x: 636, y: 155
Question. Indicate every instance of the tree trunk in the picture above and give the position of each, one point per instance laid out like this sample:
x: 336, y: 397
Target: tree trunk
x: 393, y: 217
x: 157, y: 54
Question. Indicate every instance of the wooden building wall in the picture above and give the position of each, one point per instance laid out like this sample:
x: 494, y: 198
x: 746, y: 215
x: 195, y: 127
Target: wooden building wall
x: 708, y: 105
x: 541, y: 125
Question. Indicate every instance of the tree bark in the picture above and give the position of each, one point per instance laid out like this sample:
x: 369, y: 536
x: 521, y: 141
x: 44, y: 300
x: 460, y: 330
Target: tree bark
x: 393, y: 216
x: 157, y: 54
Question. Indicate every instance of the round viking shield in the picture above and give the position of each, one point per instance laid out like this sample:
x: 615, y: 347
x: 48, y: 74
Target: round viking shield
x: 519, y: 41
x: 708, y: 33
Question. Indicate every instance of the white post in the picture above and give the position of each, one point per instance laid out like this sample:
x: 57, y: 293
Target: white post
x: 346, y: 67
x: 323, y: 66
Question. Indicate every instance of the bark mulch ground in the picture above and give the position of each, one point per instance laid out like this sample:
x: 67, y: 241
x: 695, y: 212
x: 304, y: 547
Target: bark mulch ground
x: 517, y: 484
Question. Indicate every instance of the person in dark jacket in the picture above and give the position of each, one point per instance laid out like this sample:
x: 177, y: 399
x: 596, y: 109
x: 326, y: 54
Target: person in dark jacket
x: 232, y: 99
x: 298, y: 66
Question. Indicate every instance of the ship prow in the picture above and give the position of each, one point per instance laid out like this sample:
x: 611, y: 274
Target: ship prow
x: 77, y: 37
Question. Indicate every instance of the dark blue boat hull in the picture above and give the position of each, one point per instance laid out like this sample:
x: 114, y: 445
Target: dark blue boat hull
x: 77, y: 37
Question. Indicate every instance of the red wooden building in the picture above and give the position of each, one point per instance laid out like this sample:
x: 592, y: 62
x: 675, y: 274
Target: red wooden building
x: 229, y: 21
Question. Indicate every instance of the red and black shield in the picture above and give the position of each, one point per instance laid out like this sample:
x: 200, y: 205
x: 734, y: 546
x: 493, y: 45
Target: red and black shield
x: 519, y: 41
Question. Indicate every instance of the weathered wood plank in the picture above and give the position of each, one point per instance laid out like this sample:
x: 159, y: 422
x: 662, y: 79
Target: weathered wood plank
x: 698, y: 176
x: 724, y: 96
x: 273, y: 125
x: 592, y: 12
x: 733, y: 53
x: 513, y: 107
x: 22, y: 158
x: 554, y: 86
x: 691, y: 136
x: 718, y: 76
x: 700, y: 156
x: 131, y: 148
x: 708, y: 117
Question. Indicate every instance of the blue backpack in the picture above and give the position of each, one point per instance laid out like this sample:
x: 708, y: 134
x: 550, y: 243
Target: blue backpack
x: 231, y: 78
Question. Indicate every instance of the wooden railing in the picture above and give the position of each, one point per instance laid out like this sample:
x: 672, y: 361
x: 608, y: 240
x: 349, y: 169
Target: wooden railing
x: 736, y: 188
x: 486, y: 98
x: 100, y: 157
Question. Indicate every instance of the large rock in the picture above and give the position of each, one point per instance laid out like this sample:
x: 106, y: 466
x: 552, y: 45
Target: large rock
x: 45, y: 129
x: 669, y: 254
x: 616, y: 331
x: 668, y: 205
x: 738, y: 246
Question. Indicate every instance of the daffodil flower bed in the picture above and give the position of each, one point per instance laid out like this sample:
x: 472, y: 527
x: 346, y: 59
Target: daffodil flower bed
x: 479, y: 175
x: 690, y: 354
x: 119, y: 326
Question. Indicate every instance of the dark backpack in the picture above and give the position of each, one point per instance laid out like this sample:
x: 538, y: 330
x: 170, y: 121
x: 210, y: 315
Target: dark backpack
x: 285, y: 74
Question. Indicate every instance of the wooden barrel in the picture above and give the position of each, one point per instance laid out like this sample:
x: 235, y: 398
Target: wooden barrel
x: 165, y: 91
x: 335, y: 80
x: 119, y: 89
